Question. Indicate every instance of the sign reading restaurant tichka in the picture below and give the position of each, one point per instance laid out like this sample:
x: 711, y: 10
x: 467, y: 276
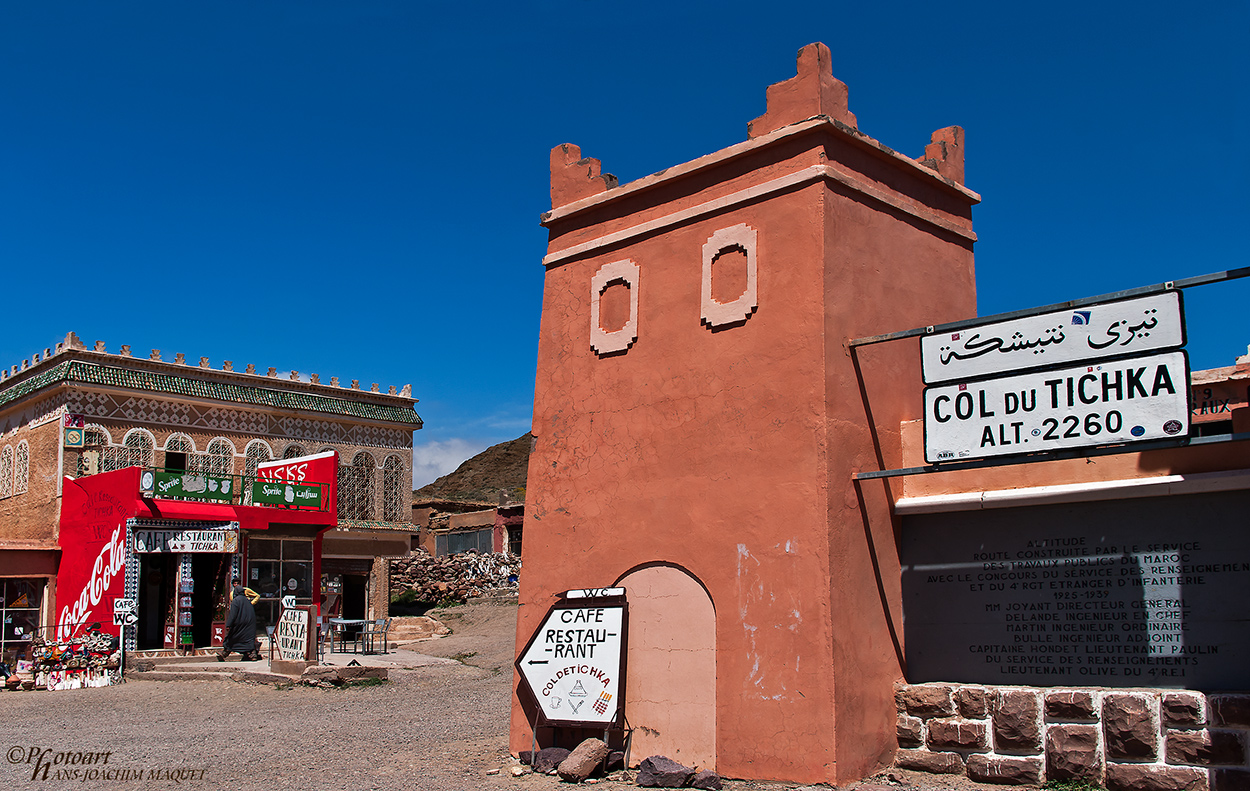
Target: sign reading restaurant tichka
x: 1084, y: 376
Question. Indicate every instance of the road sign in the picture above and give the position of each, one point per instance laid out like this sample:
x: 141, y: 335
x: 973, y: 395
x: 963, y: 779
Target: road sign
x: 125, y: 619
x: 1145, y: 398
x: 125, y: 605
x: 573, y: 665
x: 1091, y: 332
x: 288, y: 602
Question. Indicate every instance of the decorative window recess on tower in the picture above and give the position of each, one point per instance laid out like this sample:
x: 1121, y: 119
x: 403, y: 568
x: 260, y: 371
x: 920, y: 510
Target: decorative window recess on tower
x: 606, y: 341
x: 736, y: 239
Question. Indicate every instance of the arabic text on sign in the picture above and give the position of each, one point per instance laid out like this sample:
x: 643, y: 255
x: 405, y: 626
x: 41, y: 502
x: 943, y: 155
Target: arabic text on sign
x: 1095, y: 332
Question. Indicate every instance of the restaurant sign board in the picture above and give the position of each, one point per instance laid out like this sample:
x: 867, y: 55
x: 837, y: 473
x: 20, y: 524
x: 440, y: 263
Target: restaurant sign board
x: 1091, y: 332
x: 573, y: 664
x: 223, y: 541
x: 1144, y: 398
x: 293, y: 634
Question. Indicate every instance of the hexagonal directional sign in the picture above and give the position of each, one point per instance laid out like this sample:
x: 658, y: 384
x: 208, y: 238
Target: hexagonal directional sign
x: 574, y: 663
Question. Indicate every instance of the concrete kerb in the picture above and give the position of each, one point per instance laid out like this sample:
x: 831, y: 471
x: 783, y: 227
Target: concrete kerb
x: 335, y: 670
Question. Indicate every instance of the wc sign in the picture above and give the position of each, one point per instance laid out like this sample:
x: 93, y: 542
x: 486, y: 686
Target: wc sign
x: 124, y: 612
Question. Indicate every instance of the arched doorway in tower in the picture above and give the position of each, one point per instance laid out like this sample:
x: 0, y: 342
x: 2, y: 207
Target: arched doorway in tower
x: 670, y: 697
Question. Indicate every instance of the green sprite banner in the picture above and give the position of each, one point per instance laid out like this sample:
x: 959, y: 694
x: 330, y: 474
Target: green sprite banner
x: 197, y: 485
x: 283, y: 493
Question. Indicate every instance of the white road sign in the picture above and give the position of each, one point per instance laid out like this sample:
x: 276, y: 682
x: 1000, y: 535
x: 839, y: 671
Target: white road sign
x: 125, y: 605
x: 1144, y: 398
x: 1092, y: 332
x: 573, y: 664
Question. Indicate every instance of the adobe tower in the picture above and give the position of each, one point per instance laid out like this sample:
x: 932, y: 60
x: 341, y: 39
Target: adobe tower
x: 698, y: 417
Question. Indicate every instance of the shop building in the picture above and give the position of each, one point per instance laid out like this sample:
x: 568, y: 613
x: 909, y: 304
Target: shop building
x: 81, y: 425
x: 701, y: 421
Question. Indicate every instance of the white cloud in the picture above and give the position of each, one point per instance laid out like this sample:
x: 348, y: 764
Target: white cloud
x: 433, y: 459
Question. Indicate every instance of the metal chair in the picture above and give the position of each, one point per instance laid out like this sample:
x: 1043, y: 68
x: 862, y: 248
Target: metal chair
x: 370, y: 634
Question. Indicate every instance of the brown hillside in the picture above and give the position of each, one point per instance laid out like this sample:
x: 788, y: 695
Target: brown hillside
x: 501, y: 466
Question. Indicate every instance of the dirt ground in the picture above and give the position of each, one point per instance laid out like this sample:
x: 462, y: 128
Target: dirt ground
x: 440, y: 727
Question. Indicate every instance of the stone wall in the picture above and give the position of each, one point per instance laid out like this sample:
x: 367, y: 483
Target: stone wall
x: 1138, y: 739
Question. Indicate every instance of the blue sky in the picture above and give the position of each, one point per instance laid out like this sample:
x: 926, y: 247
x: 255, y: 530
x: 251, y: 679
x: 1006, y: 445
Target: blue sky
x: 353, y: 189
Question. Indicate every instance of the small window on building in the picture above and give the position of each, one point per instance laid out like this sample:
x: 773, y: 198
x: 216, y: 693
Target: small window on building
x: 19, y: 612
x: 356, y: 488
x: 393, y: 490
x: 6, y: 472
x: 91, y: 458
x: 178, y: 450
x: 21, y: 469
x: 294, y: 451
x: 218, y: 459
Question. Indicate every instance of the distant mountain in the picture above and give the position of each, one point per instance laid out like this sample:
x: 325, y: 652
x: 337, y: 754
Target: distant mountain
x: 499, y: 467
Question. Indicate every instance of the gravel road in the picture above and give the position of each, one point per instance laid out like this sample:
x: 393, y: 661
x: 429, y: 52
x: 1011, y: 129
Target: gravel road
x: 437, y: 728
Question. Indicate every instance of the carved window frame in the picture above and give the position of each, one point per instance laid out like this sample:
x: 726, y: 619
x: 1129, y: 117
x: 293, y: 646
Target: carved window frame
x: 602, y: 341
x: 713, y: 312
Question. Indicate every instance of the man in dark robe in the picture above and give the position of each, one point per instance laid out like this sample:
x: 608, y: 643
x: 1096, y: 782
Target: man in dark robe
x: 240, y: 628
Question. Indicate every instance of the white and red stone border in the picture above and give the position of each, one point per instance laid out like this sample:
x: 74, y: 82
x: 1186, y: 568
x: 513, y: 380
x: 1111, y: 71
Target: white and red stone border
x: 1126, y: 739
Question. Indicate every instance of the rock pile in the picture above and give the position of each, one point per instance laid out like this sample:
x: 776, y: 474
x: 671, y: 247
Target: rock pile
x: 455, y: 578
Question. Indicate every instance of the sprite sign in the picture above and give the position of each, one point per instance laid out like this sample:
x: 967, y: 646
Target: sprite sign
x: 196, y: 485
x: 284, y: 493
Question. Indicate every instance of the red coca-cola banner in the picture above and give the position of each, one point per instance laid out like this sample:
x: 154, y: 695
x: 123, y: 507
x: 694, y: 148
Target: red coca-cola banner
x: 94, y: 511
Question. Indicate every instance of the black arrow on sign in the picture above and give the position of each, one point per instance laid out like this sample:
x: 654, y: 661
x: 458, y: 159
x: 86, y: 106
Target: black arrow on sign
x: 537, y: 662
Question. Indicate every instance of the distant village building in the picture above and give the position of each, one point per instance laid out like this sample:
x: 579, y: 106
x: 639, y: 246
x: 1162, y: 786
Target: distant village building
x: 73, y: 419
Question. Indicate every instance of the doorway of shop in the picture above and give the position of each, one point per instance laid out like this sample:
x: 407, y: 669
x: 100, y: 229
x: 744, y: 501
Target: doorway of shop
x: 209, y: 600
x: 157, y: 573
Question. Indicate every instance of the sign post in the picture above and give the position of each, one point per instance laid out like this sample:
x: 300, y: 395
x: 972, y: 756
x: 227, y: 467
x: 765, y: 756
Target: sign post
x: 574, y: 664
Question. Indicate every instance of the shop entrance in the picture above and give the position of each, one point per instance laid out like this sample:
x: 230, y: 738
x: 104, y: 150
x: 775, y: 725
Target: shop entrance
x: 209, y: 601
x: 157, y: 577
x: 355, y: 594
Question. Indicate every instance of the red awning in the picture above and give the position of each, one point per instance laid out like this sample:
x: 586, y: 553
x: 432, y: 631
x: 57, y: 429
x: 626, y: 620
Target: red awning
x: 189, y: 509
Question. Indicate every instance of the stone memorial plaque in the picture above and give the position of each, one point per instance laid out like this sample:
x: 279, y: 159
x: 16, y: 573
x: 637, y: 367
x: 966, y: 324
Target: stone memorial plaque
x: 1146, y: 592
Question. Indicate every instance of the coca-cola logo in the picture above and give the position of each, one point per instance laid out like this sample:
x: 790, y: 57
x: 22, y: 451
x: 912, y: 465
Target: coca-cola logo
x: 112, y: 559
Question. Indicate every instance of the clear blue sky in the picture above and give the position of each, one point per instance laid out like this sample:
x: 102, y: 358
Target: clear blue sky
x: 353, y: 189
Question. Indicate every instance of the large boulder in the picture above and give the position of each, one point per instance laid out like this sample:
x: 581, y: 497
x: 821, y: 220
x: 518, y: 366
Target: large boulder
x: 660, y: 772
x: 584, y: 759
x: 548, y: 758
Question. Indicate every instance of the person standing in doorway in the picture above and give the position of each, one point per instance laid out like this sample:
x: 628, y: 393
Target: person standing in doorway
x: 240, y: 627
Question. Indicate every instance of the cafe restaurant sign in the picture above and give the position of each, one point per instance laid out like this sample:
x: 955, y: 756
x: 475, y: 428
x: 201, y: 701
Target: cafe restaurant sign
x: 1092, y: 332
x: 226, y: 541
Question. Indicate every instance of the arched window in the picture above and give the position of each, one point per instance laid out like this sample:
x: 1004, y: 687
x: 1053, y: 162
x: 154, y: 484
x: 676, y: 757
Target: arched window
x: 257, y: 451
x: 137, y: 450
x: 179, y: 452
x: 219, y: 459
x: 96, y: 440
x: 294, y: 451
x: 21, y: 472
x: 6, y: 471
x: 393, y: 490
x: 356, y: 487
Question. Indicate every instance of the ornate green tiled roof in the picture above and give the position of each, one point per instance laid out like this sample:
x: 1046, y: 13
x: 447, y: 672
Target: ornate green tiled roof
x: 75, y: 371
